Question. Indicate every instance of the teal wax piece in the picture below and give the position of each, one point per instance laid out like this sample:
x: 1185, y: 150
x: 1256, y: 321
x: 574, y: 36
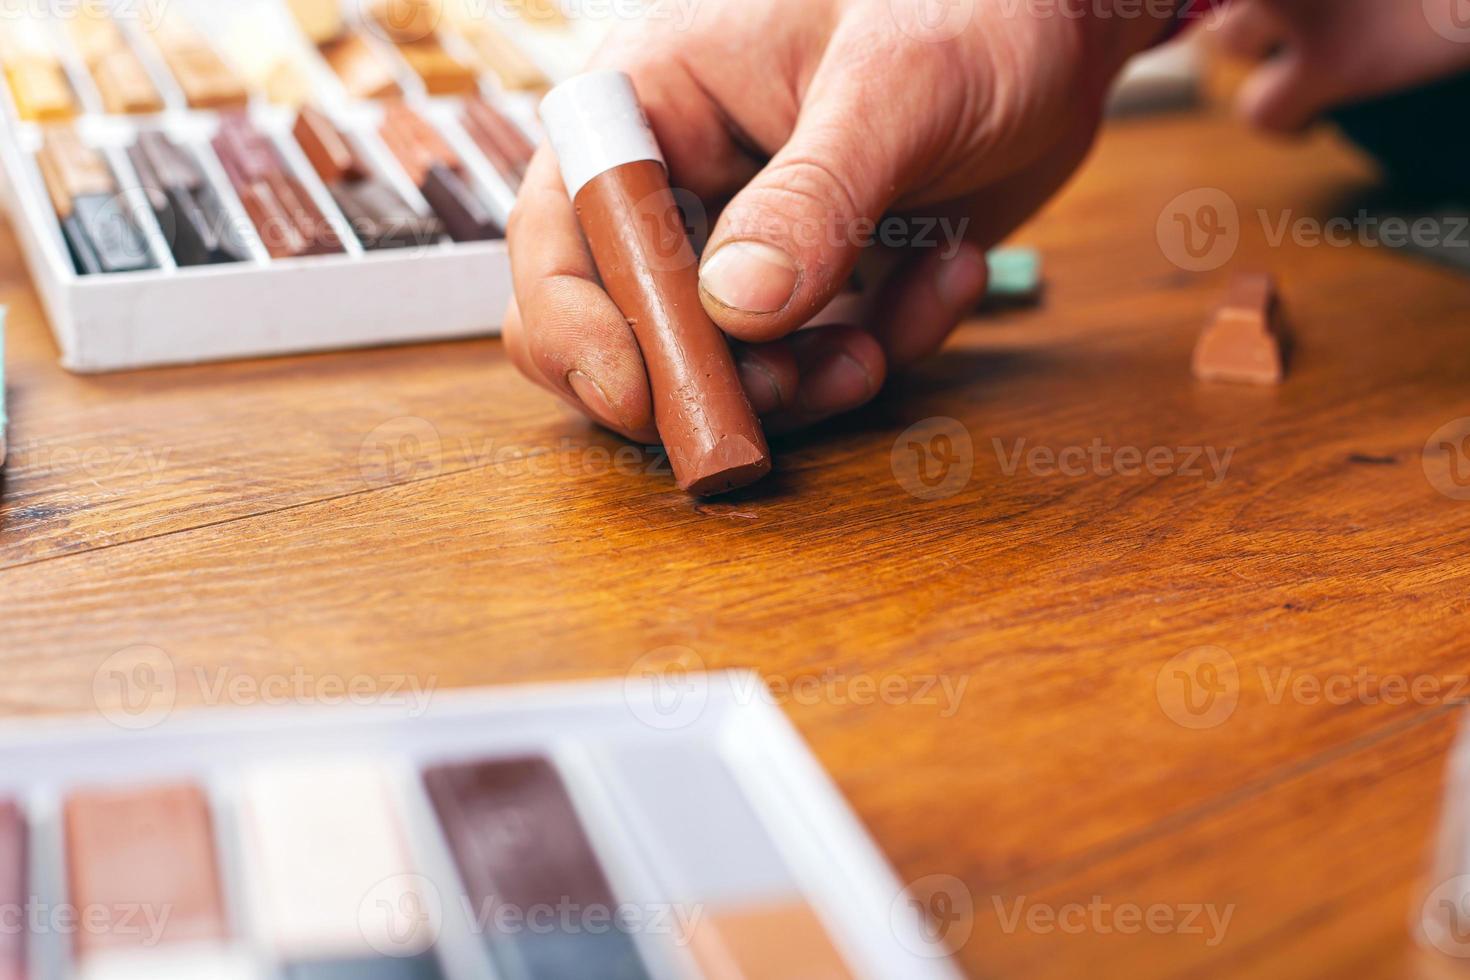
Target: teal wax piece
x: 1015, y: 273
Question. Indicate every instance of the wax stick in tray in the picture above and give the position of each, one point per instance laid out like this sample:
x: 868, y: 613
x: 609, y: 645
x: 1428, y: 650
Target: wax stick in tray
x: 95, y: 220
x: 613, y: 169
x: 38, y: 84
x: 251, y: 36
x: 208, y: 82
x: 413, y: 27
x: 362, y: 71
x: 289, y: 223
x: 120, y: 77
x: 500, y: 55
x: 439, y: 174
x: 502, y: 142
x: 320, y: 20
x: 379, y: 215
x: 194, y: 222
x: 441, y: 72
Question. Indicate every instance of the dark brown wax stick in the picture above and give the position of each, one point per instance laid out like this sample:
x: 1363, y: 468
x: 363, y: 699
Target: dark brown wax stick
x: 615, y: 173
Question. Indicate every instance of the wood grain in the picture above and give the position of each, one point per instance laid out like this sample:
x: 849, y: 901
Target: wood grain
x: 423, y: 511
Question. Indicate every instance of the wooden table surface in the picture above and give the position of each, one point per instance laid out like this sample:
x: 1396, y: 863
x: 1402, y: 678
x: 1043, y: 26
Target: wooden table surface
x: 423, y: 511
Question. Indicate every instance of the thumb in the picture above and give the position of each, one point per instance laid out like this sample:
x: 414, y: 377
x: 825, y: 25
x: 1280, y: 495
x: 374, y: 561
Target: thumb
x: 786, y: 245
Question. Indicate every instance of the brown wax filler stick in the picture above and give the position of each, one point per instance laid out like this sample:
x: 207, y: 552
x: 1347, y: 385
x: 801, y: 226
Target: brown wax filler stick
x: 378, y: 214
x: 138, y: 850
x: 362, y: 72
x: 615, y: 173
x: 331, y: 155
x: 1243, y: 343
x: 289, y: 222
x: 13, y: 890
x: 438, y: 172
x: 499, y: 139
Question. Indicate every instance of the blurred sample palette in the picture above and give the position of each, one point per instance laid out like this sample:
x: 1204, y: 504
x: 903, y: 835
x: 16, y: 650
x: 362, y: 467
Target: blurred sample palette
x: 593, y: 831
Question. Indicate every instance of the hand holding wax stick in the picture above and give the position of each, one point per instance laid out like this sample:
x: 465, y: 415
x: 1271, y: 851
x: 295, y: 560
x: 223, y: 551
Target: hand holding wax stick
x: 288, y: 221
x: 379, y: 215
x: 439, y: 174
x: 194, y: 222
x: 614, y: 172
x: 99, y: 230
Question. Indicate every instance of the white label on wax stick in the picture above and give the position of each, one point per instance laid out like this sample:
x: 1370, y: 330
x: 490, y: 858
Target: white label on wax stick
x: 596, y: 124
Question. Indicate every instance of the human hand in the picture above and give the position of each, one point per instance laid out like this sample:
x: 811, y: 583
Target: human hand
x: 1320, y: 54
x: 802, y: 125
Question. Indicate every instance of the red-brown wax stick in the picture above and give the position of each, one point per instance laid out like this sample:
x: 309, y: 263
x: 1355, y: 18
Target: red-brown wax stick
x: 615, y: 173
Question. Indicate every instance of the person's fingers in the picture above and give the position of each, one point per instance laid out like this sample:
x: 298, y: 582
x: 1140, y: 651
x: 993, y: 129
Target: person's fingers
x: 925, y: 299
x: 705, y: 151
x: 841, y: 368
x: 570, y: 333
x: 787, y: 243
x: 1251, y: 30
x: 513, y: 336
x: 1287, y: 93
x: 923, y: 303
x: 769, y: 374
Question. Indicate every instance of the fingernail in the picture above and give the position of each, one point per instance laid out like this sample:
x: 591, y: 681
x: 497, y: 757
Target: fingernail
x: 836, y: 383
x: 760, y: 385
x: 751, y: 277
x: 961, y: 278
x: 590, y: 393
